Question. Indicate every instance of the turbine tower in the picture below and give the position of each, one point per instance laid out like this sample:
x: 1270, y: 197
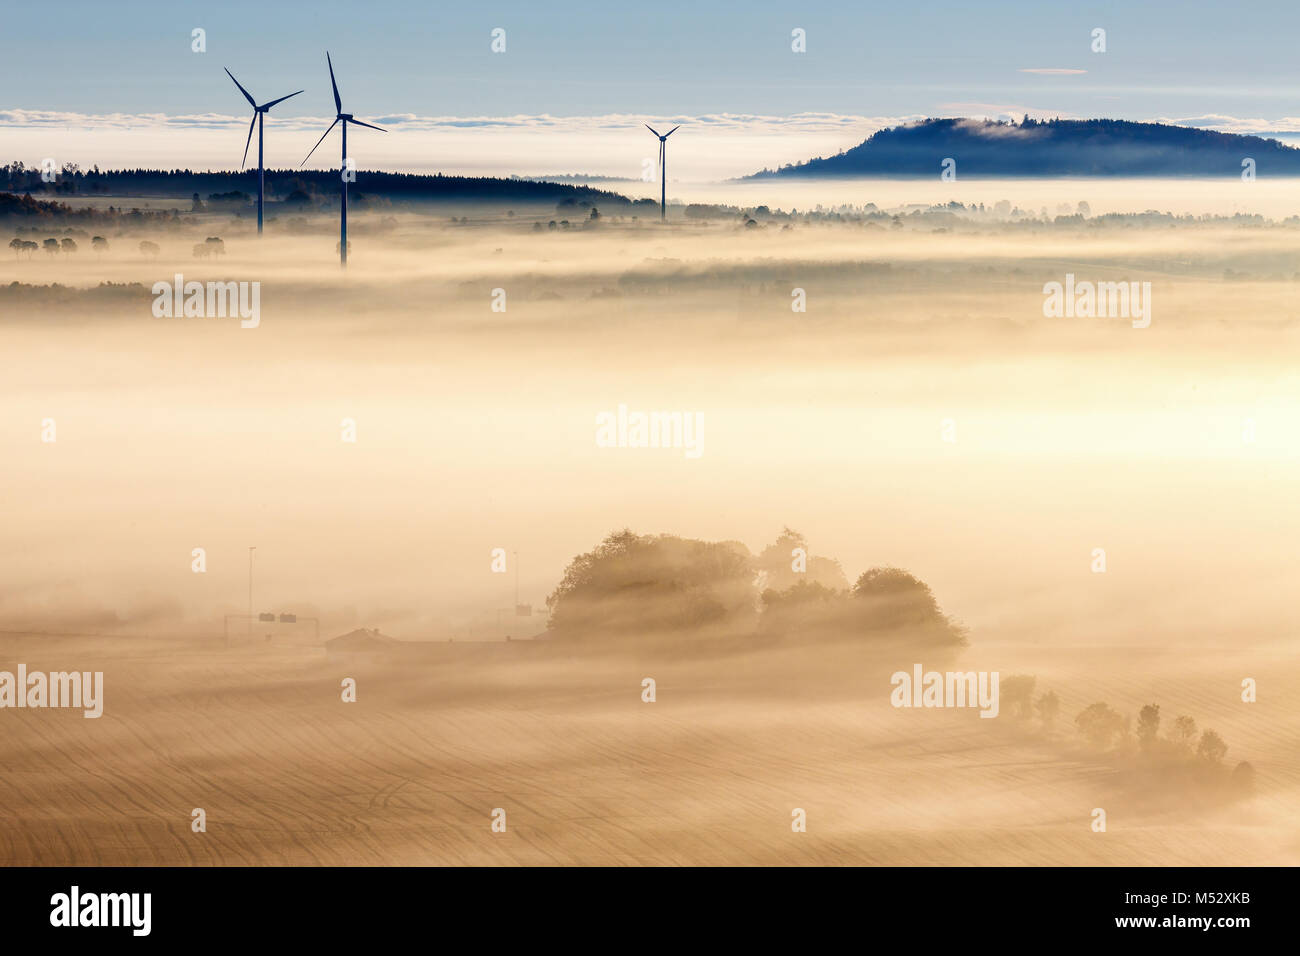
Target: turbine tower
x: 259, y: 114
x: 663, y: 172
x: 345, y: 119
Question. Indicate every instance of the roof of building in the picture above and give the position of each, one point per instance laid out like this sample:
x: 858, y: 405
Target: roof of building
x: 360, y: 639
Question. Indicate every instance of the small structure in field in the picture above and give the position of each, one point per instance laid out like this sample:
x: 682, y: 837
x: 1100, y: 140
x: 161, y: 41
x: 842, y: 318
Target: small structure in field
x: 364, y: 642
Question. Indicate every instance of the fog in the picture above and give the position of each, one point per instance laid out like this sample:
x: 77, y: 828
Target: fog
x: 922, y: 413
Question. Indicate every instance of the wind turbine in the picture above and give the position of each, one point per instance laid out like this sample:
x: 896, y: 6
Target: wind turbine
x: 345, y: 119
x: 259, y: 114
x: 663, y: 172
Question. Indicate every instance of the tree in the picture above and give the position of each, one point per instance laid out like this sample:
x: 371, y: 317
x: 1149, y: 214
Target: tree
x: 148, y: 248
x: 99, y: 244
x: 69, y: 245
x: 1048, y: 706
x: 16, y: 245
x: 1100, y: 725
x: 217, y: 246
x: 893, y: 599
x: 1148, y: 725
x: 1017, y: 693
x: 196, y: 204
x: 51, y: 246
x: 1184, y: 732
x: 776, y: 564
x: 646, y: 583
x: 1211, y: 748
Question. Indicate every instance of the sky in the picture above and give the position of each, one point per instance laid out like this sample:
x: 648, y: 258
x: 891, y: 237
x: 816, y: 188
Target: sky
x: 116, y: 83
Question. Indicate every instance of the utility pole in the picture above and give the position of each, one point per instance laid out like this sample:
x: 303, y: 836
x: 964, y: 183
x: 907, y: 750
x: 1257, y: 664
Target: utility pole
x: 250, y: 588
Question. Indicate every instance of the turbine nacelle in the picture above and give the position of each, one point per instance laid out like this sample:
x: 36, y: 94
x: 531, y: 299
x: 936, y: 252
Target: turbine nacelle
x: 257, y: 111
x: 339, y: 116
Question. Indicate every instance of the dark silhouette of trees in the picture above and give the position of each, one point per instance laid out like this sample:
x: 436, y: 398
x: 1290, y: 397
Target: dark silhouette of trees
x: 893, y: 599
x: 1184, y: 732
x: 1211, y: 747
x: 1148, y: 726
x: 1101, y: 726
x: 637, y: 584
x: 1058, y: 147
x: 777, y: 562
x: 225, y: 188
x: 1017, y: 695
x: 1048, y: 707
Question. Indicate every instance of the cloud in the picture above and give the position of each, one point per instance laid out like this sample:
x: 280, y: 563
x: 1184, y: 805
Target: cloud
x: 1235, y: 124
x: 812, y: 122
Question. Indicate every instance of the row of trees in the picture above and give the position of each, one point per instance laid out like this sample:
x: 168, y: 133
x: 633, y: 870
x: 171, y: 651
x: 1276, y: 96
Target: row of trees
x: 1108, y: 731
x: 211, y: 246
x: 52, y: 246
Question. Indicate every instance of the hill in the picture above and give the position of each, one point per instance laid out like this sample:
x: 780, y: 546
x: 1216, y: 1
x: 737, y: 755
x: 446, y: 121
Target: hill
x: 1097, y: 147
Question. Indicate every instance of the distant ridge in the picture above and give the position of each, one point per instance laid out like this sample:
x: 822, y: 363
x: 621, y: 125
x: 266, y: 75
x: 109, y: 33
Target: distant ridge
x: 1098, y: 147
x: 308, y: 184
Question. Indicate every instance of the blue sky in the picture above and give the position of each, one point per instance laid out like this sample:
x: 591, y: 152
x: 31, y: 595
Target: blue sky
x: 117, y: 83
x: 585, y: 58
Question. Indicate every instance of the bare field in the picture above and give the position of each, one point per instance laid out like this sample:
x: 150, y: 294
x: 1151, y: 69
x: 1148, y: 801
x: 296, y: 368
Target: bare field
x: 588, y: 774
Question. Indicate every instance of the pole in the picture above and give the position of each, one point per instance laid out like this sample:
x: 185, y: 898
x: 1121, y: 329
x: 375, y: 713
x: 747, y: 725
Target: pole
x: 261, y: 172
x: 343, y: 220
x: 663, y: 180
x: 250, y: 588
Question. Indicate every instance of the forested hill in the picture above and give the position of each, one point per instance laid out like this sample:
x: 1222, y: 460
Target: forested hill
x: 1098, y: 147
x: 297, y: 185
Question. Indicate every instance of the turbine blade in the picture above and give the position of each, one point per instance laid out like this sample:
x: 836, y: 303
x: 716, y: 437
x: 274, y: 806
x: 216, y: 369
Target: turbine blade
x: 671, y: 131
x: 267, y: 106
x: 250, y: 140
x: 338, y: 103
x: 252, y: 102
x: 651, y: 129
x: 319, y: 141
x: 357, y: 122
